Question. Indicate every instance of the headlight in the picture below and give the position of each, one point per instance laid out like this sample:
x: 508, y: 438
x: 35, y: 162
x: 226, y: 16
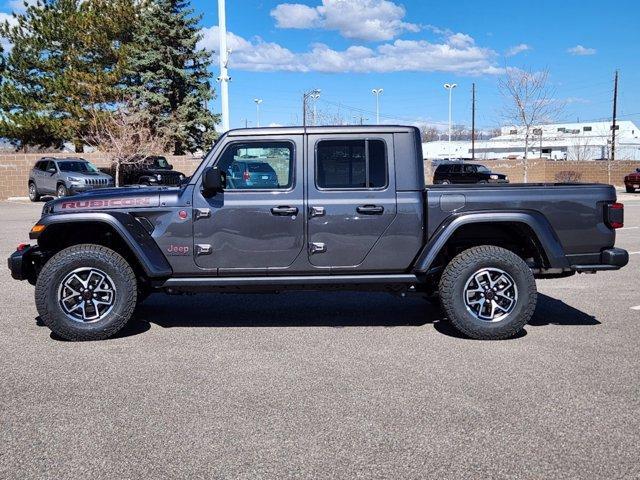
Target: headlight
x: 159, y: 177
x: 506, y: 178
x: 74, y: 179
x: 493, y: 177
x: 181, y: 177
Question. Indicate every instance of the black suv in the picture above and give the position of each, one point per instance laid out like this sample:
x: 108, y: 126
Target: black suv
x: 154, y: 170
x: 466, y: 173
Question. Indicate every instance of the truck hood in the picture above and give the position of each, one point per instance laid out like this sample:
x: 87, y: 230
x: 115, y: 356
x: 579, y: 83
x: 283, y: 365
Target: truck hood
x: 108, y: 199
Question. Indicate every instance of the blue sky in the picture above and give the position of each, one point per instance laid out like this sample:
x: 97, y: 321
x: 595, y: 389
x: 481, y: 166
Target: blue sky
x: 411, y: 47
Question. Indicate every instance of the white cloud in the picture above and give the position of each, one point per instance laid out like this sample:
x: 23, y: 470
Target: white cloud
x: 581, y: 51
x: 458, y: 54
x: 516, y: 49
x: 295, y: 15
x: 372, y: 20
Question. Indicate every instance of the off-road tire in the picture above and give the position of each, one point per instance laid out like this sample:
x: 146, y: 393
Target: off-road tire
x: 62, y: 190
x: 452, y: 290
x: 630, y: 189
x: 81, y: 256
x: 34, y: 196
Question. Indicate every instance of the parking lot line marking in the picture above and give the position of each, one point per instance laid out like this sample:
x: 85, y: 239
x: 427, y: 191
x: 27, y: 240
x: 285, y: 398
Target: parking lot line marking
x: 628, y: 228
x: 637, y: 307
x: 634, y: 253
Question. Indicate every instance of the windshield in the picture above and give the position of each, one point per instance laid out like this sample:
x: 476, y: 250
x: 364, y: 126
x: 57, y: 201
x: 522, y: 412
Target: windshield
x: 77, y: 166
x: 161, y: 162
x: 482, y: 168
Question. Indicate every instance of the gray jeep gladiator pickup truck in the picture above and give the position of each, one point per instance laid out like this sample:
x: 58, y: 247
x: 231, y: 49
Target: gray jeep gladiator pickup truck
x: 341, y: 208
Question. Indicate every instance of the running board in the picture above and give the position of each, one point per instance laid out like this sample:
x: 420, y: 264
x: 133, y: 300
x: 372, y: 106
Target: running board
x: 291, y: 281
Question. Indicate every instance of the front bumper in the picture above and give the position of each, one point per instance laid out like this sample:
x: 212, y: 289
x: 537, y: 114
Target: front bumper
x: 21, y: 263
x: 74, y: 189
x: 609, y: 259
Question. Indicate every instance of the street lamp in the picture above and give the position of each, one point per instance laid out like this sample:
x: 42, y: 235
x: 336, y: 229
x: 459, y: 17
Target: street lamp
x: 450, y: 87
x: 258, y: 102
x: 377, y: 92
x: 315, y: 95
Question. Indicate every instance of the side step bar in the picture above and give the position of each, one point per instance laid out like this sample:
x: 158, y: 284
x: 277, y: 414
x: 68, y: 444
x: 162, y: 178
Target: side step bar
x: 291, y: 281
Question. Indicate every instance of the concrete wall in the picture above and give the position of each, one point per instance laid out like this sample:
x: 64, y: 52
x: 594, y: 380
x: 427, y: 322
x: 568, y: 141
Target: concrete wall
x: 562, y: 171
x: 14, y: 170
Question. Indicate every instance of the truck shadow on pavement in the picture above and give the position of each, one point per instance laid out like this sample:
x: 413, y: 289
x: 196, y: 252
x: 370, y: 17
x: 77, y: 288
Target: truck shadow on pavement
x: 335, y: 310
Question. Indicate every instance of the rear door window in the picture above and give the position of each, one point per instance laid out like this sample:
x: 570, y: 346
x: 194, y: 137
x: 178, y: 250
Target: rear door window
x: 351, y: 164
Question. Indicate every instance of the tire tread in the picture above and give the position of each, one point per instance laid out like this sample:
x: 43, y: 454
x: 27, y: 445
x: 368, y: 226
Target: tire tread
x: 51, y: 268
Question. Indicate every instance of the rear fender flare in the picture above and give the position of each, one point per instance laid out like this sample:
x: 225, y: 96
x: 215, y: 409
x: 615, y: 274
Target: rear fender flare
x: 541, y: 227
x: 142, y: 245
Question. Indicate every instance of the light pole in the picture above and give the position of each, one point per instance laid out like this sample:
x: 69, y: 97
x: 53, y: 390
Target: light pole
x: 450, y: 87
x: 258, y: 102
x: 305, y: 97
x: 224, y: 60
x: 377, y: 92
x: 315, y: 96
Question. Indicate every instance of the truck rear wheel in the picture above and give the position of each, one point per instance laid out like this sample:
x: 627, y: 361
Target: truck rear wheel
x: 488, y: 292
x: 86, y: 292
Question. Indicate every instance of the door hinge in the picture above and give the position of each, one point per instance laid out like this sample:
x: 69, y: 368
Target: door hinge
x: 202, y: 213
x: 317, y: 247
x: 203, y: 249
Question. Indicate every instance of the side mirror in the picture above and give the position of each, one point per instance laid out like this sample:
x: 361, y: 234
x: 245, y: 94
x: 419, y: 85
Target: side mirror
x: 213, y: 181
x: 170, y: 167
x: 51, y: 170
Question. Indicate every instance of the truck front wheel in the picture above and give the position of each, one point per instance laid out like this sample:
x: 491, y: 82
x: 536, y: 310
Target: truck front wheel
x: 86, y: 292
x: 488, y: 292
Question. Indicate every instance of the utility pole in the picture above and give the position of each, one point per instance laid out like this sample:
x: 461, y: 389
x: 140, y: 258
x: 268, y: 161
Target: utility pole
x: 613, y: 124
x: 473, y: 121
x: 224, y: 60
x: 377, y: 92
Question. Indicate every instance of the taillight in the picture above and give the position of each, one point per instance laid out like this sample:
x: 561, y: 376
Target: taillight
x: 246, y: 176
x: 22, y: 247
x: 614, y: 215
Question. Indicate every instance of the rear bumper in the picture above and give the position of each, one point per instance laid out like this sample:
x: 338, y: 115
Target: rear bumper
x: 609, y: 259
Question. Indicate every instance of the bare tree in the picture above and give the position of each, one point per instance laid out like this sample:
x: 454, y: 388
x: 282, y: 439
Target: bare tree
x: 581, y: 149
x: 125, y: 136
x: 529, y: 100
x: 429, y: 133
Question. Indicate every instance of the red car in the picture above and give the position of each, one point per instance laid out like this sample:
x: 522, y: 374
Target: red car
x: 632, y: 181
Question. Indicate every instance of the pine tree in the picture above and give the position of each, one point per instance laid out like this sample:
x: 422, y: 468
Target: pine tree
x: 167, y: 75
x: 66, y: 60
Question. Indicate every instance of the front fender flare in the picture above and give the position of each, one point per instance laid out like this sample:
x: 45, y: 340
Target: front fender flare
x: 132, y: 233
x: 538, y: 223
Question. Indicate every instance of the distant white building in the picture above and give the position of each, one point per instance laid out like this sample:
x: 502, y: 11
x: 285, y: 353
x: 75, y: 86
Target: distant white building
x: 561, y: 141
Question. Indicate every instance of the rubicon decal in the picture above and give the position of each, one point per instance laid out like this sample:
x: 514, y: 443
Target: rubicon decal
x: 106, y: 203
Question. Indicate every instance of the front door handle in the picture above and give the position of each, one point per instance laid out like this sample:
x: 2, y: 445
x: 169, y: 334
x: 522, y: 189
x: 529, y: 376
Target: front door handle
x: 370, y: 209
x: 283, y: 211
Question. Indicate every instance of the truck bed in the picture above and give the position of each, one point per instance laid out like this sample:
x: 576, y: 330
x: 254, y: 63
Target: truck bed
x: 574, y: 211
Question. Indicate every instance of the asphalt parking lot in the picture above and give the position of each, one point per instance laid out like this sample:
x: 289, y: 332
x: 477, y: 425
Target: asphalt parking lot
x: 320, y: 385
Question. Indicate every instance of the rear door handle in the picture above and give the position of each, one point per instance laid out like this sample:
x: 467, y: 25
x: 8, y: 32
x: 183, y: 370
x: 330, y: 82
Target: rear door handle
x: 283, y: 211
x: 370, y: 209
